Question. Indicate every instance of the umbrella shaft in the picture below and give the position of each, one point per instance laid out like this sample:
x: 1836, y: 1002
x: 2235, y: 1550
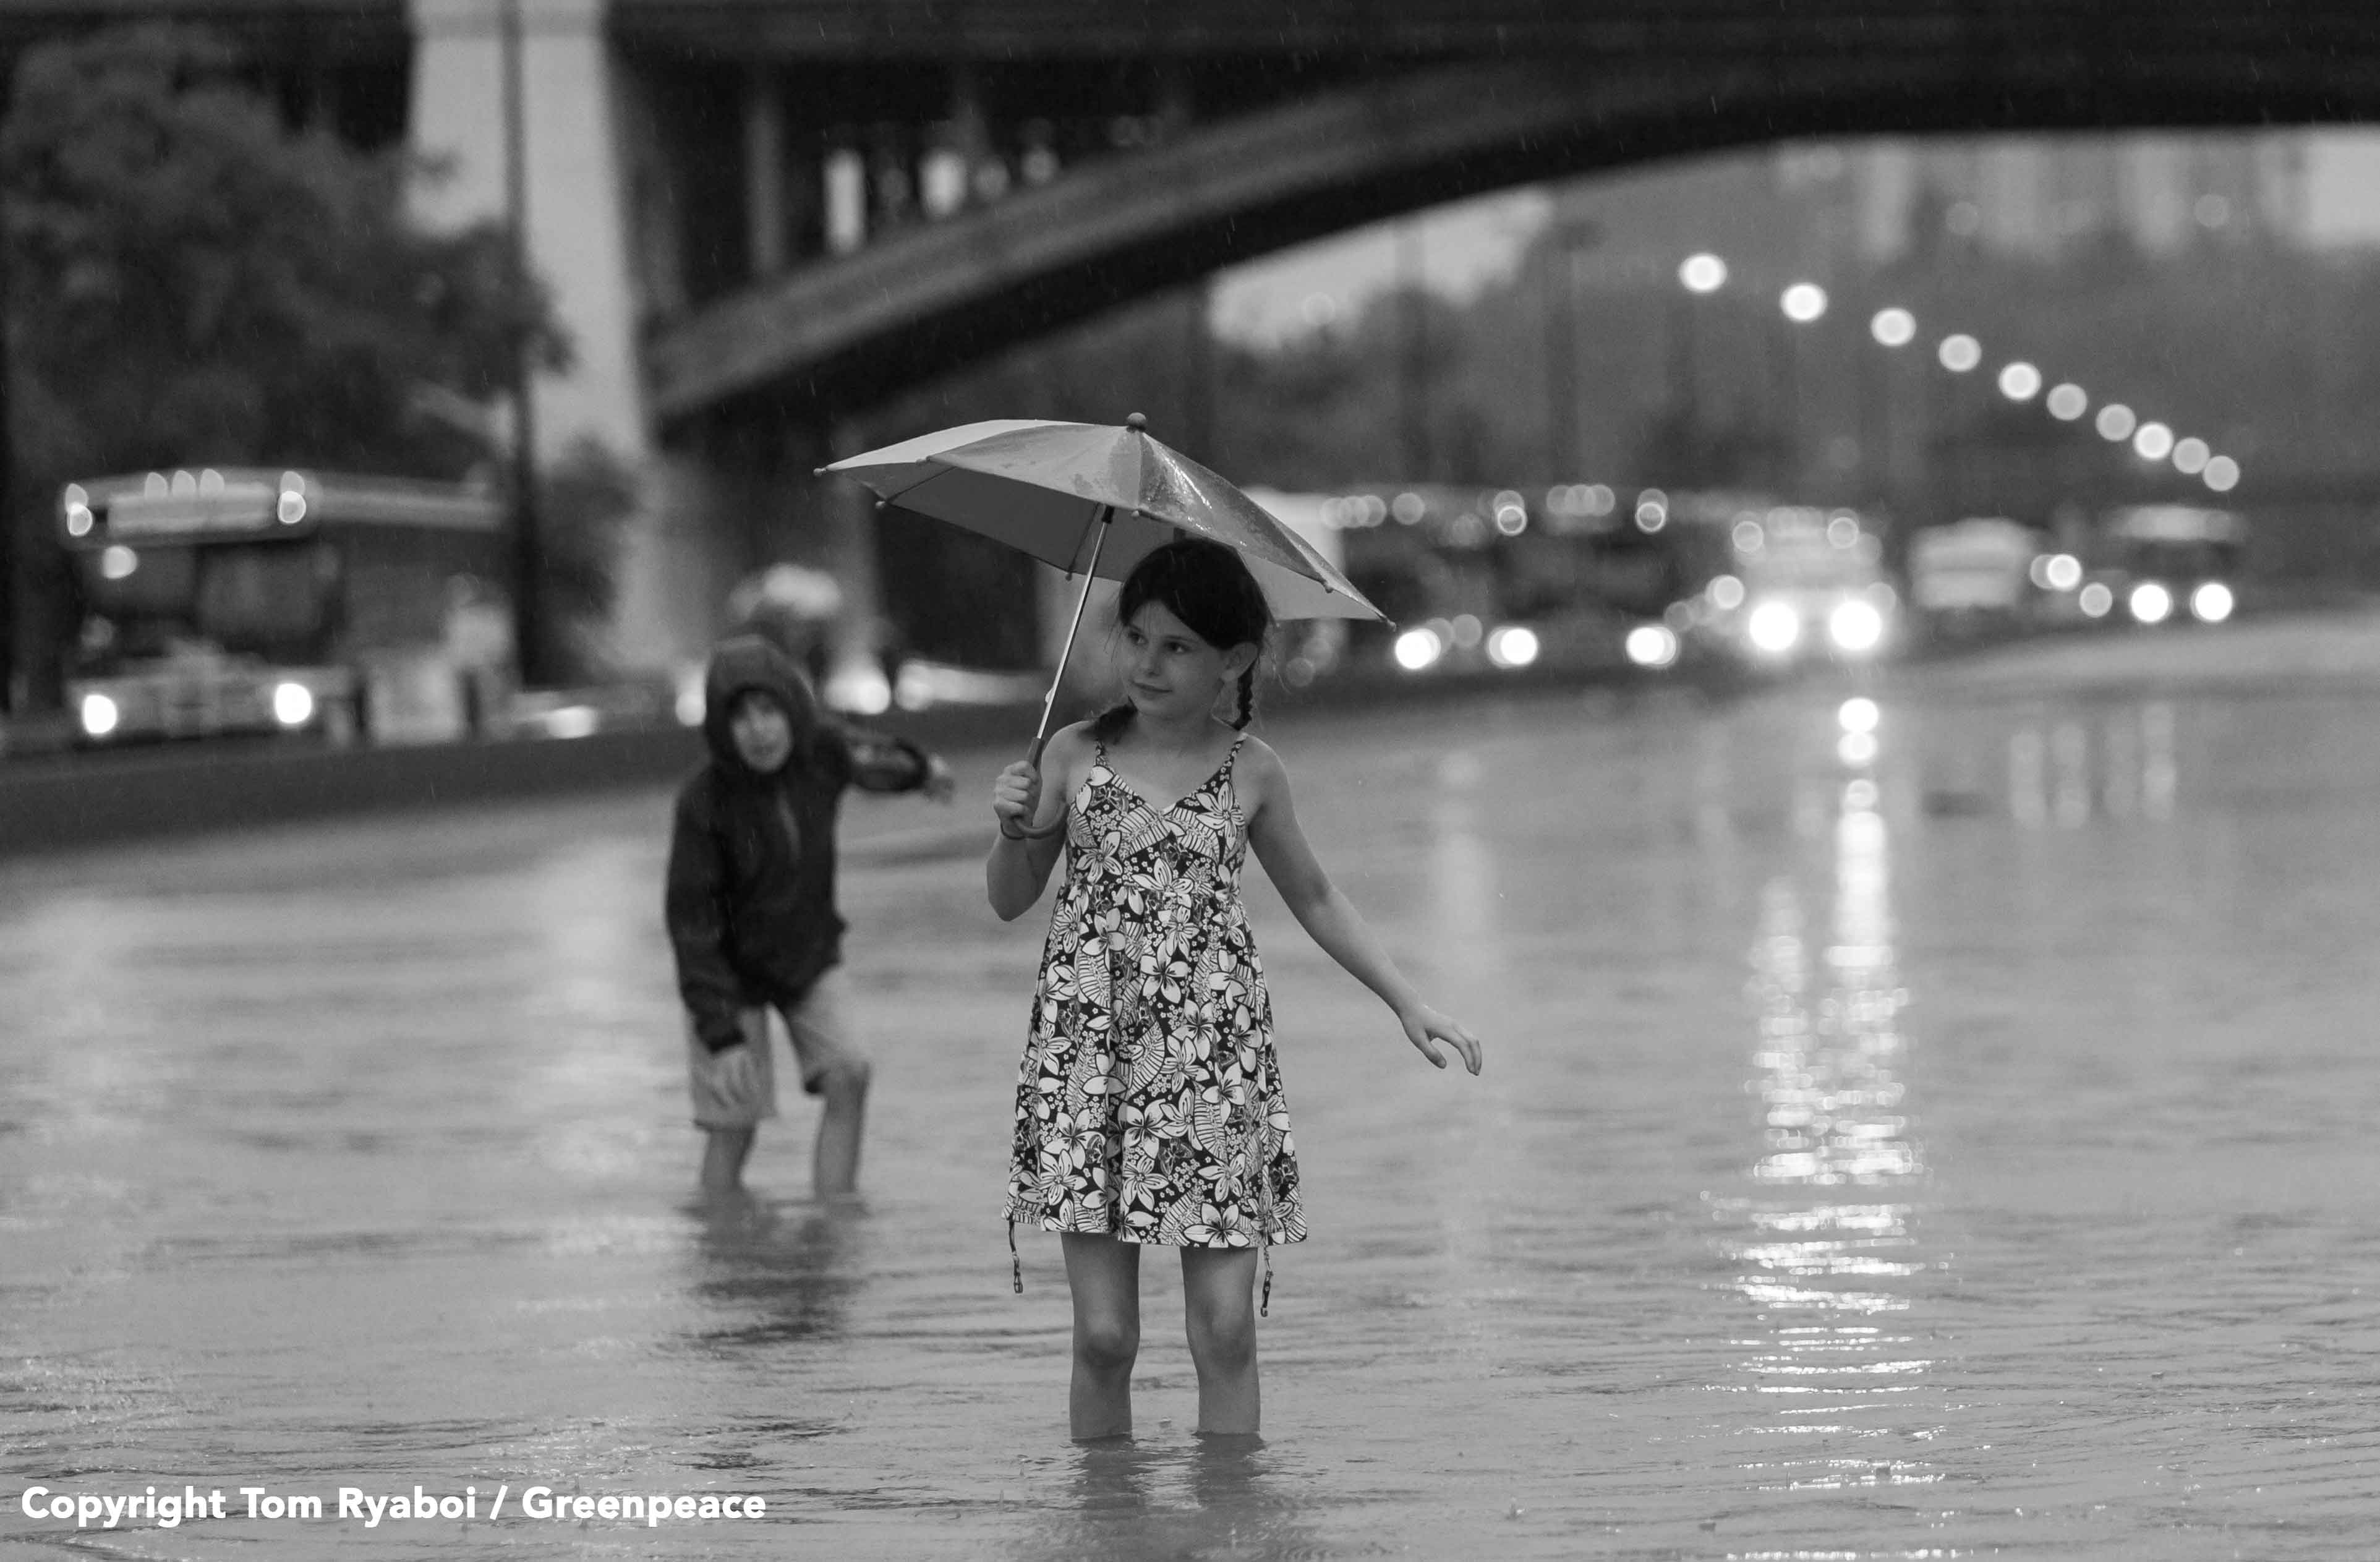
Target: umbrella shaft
x: 1090, y: 571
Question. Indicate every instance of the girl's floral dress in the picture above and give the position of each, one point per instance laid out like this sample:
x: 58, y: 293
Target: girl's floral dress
x: 1150, y: 1104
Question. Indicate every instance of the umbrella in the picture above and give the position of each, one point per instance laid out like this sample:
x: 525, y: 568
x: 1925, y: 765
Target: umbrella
x: 1093, y: 499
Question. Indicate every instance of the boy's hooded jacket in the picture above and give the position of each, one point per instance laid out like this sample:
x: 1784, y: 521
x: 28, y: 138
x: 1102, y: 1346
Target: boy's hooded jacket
x: 750, y: 903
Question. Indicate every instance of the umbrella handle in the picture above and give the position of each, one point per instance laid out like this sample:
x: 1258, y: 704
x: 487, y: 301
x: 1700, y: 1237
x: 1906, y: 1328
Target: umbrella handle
x: 1049, y: 700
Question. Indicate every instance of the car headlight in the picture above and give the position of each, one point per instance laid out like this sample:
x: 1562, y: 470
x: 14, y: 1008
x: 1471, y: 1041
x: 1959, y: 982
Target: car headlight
x: 99, y: 715
x: 1419, y: 649
x: 1855, y: 626
x: 292, y: 704
x: 1774, y: 627
x: 1652, y: 645
x: 1513, y: 645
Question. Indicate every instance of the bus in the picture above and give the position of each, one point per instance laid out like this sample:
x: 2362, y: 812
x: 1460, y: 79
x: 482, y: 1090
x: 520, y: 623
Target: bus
x: 1977, y: 577
x: 219, y: 601
x: 2169, y: 561
x: 1805, y: 585
x: 1492, y: 578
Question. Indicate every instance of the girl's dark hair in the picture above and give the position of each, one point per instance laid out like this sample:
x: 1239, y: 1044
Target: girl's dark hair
x: 1207, y: 586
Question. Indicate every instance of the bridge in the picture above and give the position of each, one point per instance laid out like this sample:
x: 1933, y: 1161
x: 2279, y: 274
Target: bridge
x: 763, y: 217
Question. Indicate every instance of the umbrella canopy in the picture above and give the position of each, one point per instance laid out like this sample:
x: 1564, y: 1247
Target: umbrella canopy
x: 1045, y: 488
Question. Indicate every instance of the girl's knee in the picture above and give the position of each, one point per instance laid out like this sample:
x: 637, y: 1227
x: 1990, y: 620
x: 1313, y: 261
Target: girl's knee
x: 1223, y: 1338
x: 1107, y: 1344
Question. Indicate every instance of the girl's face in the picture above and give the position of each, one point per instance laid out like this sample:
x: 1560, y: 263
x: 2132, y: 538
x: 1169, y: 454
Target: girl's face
x: 1168, y: 670
x: 763, y: 733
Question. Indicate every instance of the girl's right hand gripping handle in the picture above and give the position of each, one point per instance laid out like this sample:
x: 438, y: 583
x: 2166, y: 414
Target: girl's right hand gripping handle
x: 1040, y: 832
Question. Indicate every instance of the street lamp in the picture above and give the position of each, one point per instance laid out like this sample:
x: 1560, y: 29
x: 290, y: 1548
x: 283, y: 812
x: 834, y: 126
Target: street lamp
x: 1702, y: 272
x: 1802, y: 302
x: 1701, y: 275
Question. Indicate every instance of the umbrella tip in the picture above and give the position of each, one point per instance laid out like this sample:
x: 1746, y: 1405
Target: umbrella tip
x: 1137, y: 423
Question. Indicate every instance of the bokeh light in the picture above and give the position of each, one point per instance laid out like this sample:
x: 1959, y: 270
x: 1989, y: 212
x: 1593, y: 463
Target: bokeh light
x: 1895, y: 327
x: 1774, y: 627
x: 2116, y: 422
x: 1418, y: 648
x: 2019, y: 381
x: 2191, y: 455
x: 1652, y: 645
x: 2222, y: 474
x: 2153, y: 442
x: 1802, y: 302
x: 1959, y: 353
x: 1703, y: 274
x: 2067, y: 401
x: 1513, y: 644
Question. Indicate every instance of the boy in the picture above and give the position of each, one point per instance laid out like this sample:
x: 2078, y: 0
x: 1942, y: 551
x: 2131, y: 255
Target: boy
x: 750, y: 905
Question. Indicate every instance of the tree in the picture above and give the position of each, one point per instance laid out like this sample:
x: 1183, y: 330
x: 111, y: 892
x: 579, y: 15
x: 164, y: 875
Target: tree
x: 192, y: 280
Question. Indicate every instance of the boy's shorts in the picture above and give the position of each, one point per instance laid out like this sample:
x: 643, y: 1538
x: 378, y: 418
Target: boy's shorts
x: 822, y: 1041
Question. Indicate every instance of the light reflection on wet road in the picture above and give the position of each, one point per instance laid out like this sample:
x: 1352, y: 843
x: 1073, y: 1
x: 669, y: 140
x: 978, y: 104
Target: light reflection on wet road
x: 1972, y: 1161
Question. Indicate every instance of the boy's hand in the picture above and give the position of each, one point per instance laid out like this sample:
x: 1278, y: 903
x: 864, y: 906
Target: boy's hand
x: 1016, y: 798
x: 941, y: 785
x: 737, y: 1072
x: 1426, y: 1027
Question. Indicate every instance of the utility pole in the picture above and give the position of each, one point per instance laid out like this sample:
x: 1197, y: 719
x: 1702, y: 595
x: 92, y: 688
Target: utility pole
x: 13, y: 594
x: 528, y: 554
x: 1413, y: 377
x: 1565, y: 275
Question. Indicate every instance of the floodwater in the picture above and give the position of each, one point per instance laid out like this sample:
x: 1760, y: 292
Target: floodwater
x: 1962, y: 1150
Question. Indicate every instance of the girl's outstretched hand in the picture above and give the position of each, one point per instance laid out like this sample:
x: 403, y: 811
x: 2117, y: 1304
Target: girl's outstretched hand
x: 1426, y: 1027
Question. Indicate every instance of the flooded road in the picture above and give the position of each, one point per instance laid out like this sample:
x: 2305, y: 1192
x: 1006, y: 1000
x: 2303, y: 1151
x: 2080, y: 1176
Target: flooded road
x: 1960, y: 1148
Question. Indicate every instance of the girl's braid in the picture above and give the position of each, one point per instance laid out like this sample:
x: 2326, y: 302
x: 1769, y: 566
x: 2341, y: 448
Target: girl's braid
x: 1247, y: 696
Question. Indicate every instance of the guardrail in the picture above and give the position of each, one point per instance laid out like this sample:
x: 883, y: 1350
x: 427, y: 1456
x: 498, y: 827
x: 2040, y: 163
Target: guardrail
x: 65, y: 801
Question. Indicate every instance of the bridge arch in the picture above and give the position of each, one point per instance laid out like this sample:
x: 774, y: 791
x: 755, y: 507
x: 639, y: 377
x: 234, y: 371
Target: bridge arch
x: 845, y: 332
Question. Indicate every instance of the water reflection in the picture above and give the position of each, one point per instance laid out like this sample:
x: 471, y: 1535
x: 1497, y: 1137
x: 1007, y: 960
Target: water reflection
x: 1462, y: 871
x: 1123, y: 1501
x: 1826, y: 1247
x: 2059, y: 774
x: 772, y: 1274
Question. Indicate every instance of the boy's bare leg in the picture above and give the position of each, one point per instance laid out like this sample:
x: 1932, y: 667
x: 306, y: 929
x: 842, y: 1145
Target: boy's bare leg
x: 1218, y: 1306
x: 834, y: 1159
x: 1104, y: 1275
x: 724, y: 1158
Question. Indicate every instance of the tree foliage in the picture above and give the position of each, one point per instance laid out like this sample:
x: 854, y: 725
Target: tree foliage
x: 192, y: 280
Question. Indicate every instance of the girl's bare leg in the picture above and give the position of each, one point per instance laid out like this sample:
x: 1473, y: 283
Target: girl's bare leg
x: 1220, y: 1306
x: 1104, y: 1275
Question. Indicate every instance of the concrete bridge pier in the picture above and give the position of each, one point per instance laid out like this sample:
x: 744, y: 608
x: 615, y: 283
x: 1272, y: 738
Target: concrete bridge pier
x: 532, y: 109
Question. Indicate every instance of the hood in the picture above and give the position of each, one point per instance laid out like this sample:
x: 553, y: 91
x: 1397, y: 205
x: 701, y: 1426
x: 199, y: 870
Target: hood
x: 747, y: 661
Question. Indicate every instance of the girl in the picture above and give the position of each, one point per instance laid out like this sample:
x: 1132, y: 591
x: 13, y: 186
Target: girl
x: 1149, y: 1108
